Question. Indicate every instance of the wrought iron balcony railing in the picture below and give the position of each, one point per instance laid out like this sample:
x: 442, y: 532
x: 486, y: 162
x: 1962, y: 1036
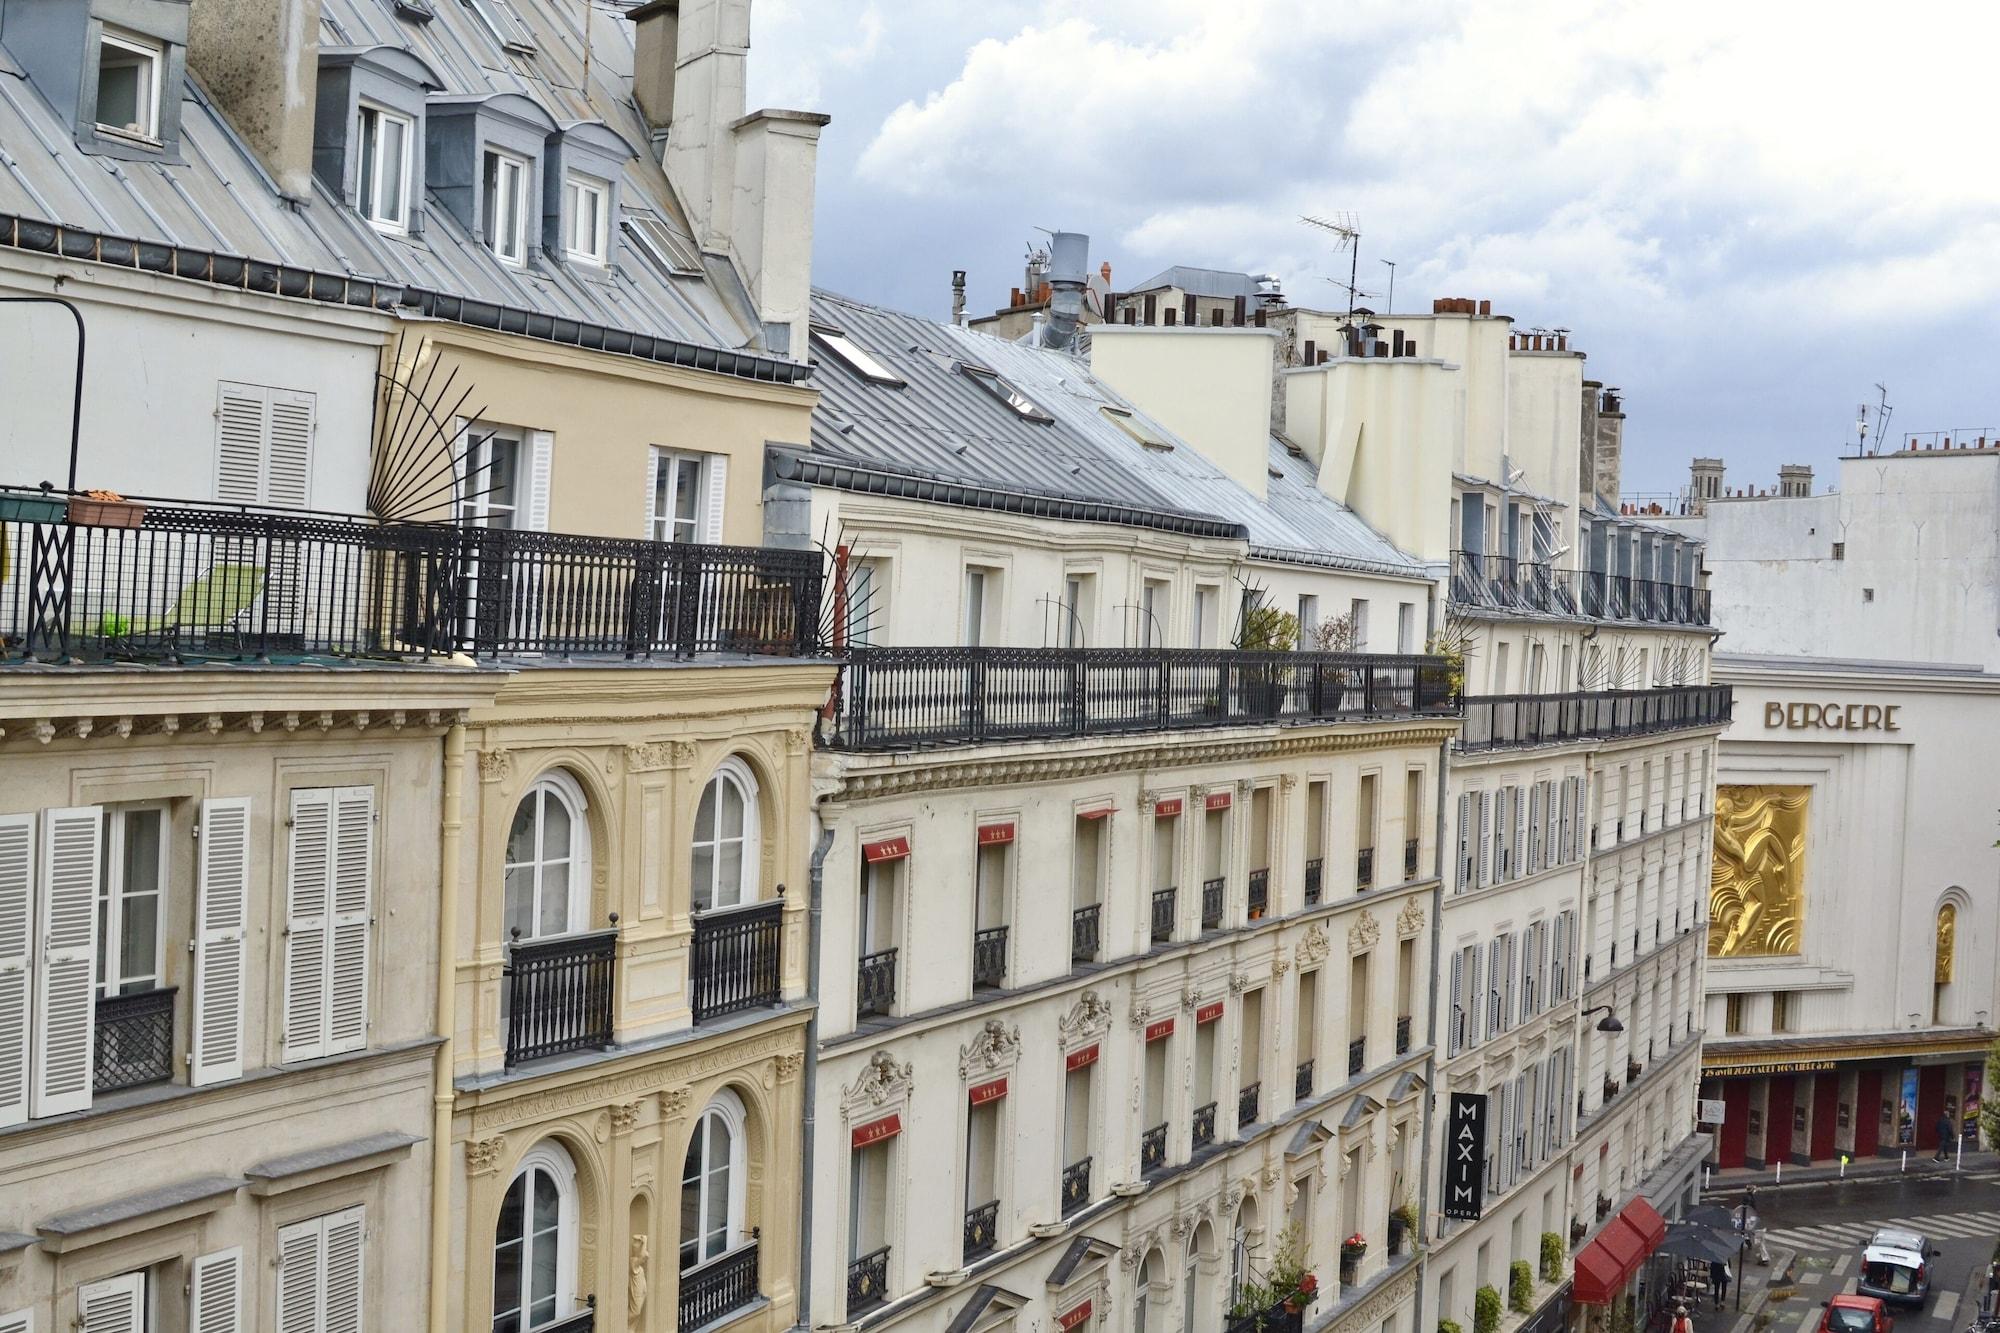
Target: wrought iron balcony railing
x: 1409, y: 860
x: 1506, y: 721
x: 135, y: 1040
x: 1075, y: 1186
x: 1247, y: 1103
x: 1315, y: 874
x: 1357, y: 1056
x: 175, y: 580
x: 1259, y: 893
x: 1085, y: 933
x: 1302, y: 1082
x: 1364, y: 868
x: 724, y: 1284
x: 1203, y: 1127
x: 736, y: 962
x: 896, y: 698
x: 989, y: 956
x: 559, y: 994
x: 583, y: 1319
x: 867, y: 1281
x: 1211, y: 904
x: 980, y: 1224
x: 1504, y: 584
x: 875, y: 983
x: 1403, y: 1034
x: 1153, y: 1150
x: 1163, y: 915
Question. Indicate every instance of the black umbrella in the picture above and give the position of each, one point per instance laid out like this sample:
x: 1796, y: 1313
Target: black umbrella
x: 1691, y: 1240
x: 1711, y: 1215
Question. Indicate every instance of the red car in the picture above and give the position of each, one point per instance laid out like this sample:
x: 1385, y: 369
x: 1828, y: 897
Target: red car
x: 1856, y: 1314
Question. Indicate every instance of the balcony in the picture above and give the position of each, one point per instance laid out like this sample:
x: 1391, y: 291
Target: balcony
x: 1510, y: 721
x: 559, y: 993
x: 1357, y: 1056
x: 989, y: 957
x: 1364, y: 869
x: 1302, y: 1082
x: 1260, y: 894
x: 1247, y: 1104
x: 898, y: 698
x: 875, y: 984
x: 1409, y: 860
x: 173, y: 580
x: 980, y: 1224
x: 1085, y: 935
x: 867, y: 1282
x: 719, y: 1287
x: 581, y: 1320
x: 735, y: 960
x: 1075, y: 1186
x: 1153, y: 1150
x: 1315, y: 876
x: 1203, y: 1128
x: 135, y: 1040
x: 1402, y: 1034
x: 1211, y: 904
x: 1163, y: 915
x: 1497, y: 583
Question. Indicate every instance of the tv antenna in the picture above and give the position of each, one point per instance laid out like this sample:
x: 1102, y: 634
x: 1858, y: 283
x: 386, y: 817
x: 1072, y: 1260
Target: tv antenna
x: 1346, y: 227
x: 1882, y: 414
x: 1390, y: 308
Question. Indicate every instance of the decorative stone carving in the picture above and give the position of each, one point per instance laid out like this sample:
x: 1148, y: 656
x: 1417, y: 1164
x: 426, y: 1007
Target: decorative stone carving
x: 1140, y: 1013
x: 674, y: 1103
x: 624, y: 1117
x: 1279, y: 966
x: 648, y: 756
x: 1288, y: 783
x: 996, y: 1047
x: 682, y: 752
x: 796, y: 740
x: 495, y: 765
x: 1363, y: 933
x: 882, y: 1082
x: 1237, y: 981
x: 1088, y: 1019
x: 1232, y: 1194
x: 1147, y: 800
x: 789, y: 1064
x: 1411, y: 919
x: 1314, y: 946
x: 483, y: 1155
x: 1271, y: 1176
x: 1190, y: 996
x: 635, y: 1284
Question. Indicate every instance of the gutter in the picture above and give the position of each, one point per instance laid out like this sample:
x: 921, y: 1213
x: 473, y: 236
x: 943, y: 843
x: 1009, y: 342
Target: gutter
x: 815, y: 880
x: 451, y: 827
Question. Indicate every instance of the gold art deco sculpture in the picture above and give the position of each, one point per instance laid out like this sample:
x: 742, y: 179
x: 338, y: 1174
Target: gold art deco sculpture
x: 1757, y: 892
x: 1947, y: 934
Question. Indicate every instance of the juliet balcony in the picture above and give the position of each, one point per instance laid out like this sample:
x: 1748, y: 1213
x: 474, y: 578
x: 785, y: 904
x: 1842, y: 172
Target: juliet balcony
x: 1504, y: 585
x: 904, y: 698
x: 174, y: 581
x: 1513, y: 721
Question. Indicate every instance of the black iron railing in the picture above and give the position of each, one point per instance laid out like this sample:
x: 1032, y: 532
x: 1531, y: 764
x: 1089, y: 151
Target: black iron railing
x: 1203, y: 1127
x: 1163, y: 915
x: 724, y: 1284
x: 1357, y: 1056
x: 1402, y: 1034
x: 892, y: 698
x: 559, y: 994
x: 173, y: 580
x: 1259, y: 893
x: 1409, y: 860
x: 1315, y: 874
x: 989, y: 956
x: 1502, y: 583
x: 1075, y: 1186
x: 135, y: 1040
x: 1302, y: 1081
x: 980, y: 1224
x: 1153, y: 1149
x: 1505, y: 721
x: 867, y: 1281
x: 1364, y: 868
x: 875, y: 983
x: 583, y: 1319
x: 1247, y: 1103
x: 736, y: 959
x: 1211, y: 904
x: 1085, y: 933
x: 1277, y: 1319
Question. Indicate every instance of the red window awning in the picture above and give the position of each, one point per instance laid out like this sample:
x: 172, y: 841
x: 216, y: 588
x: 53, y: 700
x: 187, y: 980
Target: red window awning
x: 888, y: 849
x: 1603, y: 1266
x: 1646, y: 1221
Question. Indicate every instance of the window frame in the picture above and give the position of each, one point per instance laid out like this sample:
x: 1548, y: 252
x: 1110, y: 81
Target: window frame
x: 503, y: 162
x: 734, y: 772
x: 1007, y: 393
x: 557, y: 785
x: 667, y: 464
x: 576, y: 186
x: 841, y: 345
x: 155, y: 57
x: 479, y: 508
x: 726, y: 1108
x: 550, y: 1158
x: 111, y: 898
x: 369, y: 149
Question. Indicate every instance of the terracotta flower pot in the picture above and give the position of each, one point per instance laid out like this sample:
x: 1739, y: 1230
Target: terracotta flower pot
x: 105, y: 513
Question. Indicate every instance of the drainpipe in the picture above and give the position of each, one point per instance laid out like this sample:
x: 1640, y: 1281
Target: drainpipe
x: 815, y: 878
x: 447, y: 1022
x: 1431, y: 1039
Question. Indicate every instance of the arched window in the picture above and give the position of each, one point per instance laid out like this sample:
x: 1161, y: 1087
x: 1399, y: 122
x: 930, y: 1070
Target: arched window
x: 534, y: 1243
x: 725, y: 839
x: 1142, y: 1290
x: 712, y: 1178
x: 548, y: 860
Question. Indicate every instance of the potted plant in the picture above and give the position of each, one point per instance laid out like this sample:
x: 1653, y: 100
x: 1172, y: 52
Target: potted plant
x: 105, y: 509
x: 1352, y: 1251
x: 22, y: 506
x: 1552, y: 1257
x: 1450, y: 1326
x: 1520, y: 1287
x: 1266, y: 629
x: 1486, y: 1310
x: 1577, y: 1231
x: 1402, y: 1223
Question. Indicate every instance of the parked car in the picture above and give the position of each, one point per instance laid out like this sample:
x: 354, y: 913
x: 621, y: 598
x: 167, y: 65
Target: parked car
x: 1895, y: 1266
x: 1856, y: 1314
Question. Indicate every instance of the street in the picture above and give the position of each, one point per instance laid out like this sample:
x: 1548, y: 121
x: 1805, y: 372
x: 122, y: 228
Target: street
x: 1824, y: 1226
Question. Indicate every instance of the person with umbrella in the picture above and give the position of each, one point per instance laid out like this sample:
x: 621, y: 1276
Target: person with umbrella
x: 1718, y: 1280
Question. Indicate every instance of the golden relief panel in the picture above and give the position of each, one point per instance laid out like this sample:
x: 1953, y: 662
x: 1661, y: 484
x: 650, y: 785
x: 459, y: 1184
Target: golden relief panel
x: 1757, y: 889
x: 1947, y: 937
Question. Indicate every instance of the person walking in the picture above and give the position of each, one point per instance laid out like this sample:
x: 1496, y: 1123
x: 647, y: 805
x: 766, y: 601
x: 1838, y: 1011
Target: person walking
x: 1944, y: 1137
x: 1718, y: 1281
x: 1681, y: 1324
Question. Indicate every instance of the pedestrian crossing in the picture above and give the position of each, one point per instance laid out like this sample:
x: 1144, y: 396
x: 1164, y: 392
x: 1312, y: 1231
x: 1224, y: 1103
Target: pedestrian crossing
x: 1848, y: 1235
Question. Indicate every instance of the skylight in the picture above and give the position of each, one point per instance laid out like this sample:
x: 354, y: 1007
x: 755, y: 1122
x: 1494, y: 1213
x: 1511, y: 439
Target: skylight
x: 500, y: 20
x: 669, y: 249
x: 855, y: 357
x: 1003, y: 389
x: 1137, y: 429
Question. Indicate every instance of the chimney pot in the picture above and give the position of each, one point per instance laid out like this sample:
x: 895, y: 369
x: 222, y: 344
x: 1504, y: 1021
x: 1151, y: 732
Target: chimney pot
x: 1485, y: 308
x: 1310, y: 359
x: 1172, y: 314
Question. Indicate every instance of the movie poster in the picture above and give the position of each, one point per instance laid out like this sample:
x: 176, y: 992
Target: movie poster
x: 1906, y: 1109
x: 1974, y: 1079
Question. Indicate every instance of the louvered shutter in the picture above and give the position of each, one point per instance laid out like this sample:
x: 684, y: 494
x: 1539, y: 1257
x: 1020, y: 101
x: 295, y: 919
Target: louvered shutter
x: 1507, y: 991
x: 342, y: 1266
x: 300, y: 1277
x: 115, y: 1305
x: 1474, y: 1001
x: 1480, y: 860
x: 715, y: 495
x: 222, y: 908
x: 308, y: 901
x: 1495, y: 961
x: 1519, y: 810
x: 288, y: 467
x: 65, y: 1005
x: 17, y: 934
x: 241, y: 413
x: 21, y: 1321
x: 541, y: 451
x: 1464, y: 841
x: 215, y: 1293
x: 1534, y: 828
x: 1456, y: 1036
x: 652, y: 492
x: 353, y: 894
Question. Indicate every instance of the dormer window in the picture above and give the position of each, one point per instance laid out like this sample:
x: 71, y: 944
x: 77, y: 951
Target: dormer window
x: 128, y: 86
x: 586, y: 213
x: 504, y: 202
x: 383, y: 190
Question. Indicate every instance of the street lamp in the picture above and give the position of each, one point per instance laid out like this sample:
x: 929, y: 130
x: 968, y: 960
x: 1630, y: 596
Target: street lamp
x: 1608, y: 1023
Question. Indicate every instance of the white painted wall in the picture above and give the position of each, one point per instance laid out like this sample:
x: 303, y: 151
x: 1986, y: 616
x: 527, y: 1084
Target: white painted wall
x: 1210, y: 386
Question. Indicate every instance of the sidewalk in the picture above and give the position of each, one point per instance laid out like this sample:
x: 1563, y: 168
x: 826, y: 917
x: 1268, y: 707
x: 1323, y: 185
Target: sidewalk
x: 1757, y: 1283
x: 1734, y: 1179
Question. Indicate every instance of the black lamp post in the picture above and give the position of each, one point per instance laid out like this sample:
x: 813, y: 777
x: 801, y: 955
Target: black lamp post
x: 1608, y: 1023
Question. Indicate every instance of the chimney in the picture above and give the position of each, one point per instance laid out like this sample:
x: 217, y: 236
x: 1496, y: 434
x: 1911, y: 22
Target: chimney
x: 1704, y: 484
x: 958, y: 296
x: 1068, y: 274
x: 1795, y: 481
x: 259, y: 61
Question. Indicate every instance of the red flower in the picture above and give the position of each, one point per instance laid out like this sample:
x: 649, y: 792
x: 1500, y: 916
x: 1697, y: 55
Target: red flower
x: 1308, y: 1285
x: 1357, y: 1240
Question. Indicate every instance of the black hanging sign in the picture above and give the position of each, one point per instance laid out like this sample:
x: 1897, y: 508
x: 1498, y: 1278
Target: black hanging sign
x: 1465, y: 1156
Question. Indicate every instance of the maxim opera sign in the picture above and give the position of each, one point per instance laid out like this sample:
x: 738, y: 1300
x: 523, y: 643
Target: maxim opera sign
x: 1797, y: 716
x: 1465, y: 1156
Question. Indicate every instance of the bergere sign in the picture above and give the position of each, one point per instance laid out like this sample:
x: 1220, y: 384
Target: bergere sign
x: 1465, y: 1156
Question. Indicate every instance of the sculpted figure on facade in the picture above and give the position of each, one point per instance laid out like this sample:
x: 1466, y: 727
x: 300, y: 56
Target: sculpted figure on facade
x: 996, y: 1047
x: 1757, y: 880
x: 1363, y: 933
x: 1088, y: 1018
x: 1410, y: 920
x: 881, y: 1082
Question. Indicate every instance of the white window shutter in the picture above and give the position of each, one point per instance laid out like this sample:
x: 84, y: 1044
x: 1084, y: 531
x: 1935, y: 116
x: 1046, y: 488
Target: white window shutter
x: 1474, y: 1002
x: 17, y: 951
x: 1455, y: 1036
x: 1464, y: 841
x: 1485, y: 808
x: 344, y: 1245
x: 288, y: 459
x: 715, y: 494
x: 65, y: 1004
x: 215, y: 1294
x: 541, y: 451
x: 308, y: 903
x: 353, y: 898
x: 21, y: 1321
x: 300, y: 1277
x: 115, y: 1305
x: 652, y: 491
x: 222, y: 909
x: 242, y: 414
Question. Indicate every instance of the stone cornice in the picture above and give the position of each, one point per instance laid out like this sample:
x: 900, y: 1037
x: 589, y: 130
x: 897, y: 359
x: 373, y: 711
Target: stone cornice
x: 674, y: 692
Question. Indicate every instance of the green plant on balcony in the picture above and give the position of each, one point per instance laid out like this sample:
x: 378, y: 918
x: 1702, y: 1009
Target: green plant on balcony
x: 1450, y: 1326
x: 1520, y: 1287
x: 1452, y: 641
x: 1552, y: 1256
x: 1268, y: 629
x: 1337, y: 634
x: 1485, y: 1310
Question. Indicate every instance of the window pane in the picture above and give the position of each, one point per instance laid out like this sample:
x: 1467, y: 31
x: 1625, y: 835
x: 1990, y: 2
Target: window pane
x: 555, y: 829
x: 394, y: 149
x: 520, y: 901
x: 704, y: 816
x: 704, y: 877
x: 139, y: 932
x: 521, y: 834
x: 687, y: 492
x: 364, y: 135
x: 729, y: 874
x: 548, y: 1203
x: 489, y: 198
x: 732, y: 810
x: 554, y: 918
x: 124, y: 89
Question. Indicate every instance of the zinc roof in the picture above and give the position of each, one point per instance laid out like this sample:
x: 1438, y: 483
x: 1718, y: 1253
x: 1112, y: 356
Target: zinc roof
x: 1214, y: 282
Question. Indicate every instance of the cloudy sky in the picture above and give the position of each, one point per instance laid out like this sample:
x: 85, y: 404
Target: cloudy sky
x: 1749, y: 213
